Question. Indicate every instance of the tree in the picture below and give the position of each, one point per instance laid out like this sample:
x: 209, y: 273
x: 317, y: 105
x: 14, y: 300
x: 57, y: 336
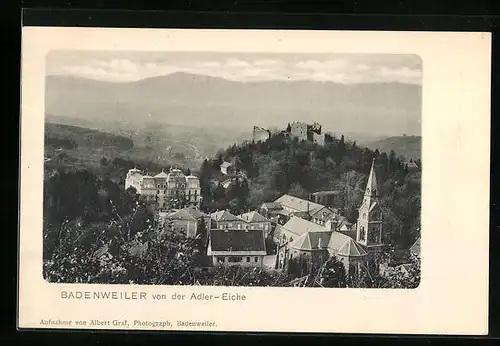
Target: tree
x: 298, y: 191
x: 288, y: 128
x: 332, y: 273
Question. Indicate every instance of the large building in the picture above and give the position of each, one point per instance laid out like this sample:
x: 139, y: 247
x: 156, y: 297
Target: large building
x: 354, y: 245
x: 166, y: 191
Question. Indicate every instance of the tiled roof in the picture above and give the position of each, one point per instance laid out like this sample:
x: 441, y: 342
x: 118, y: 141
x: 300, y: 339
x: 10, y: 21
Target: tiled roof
x: 237, y: 240
x: 182, y: 214
x: 195, y: 213
x: 326, y: 193
x: 318, y: 212
x: 253, y: 216
x: 299, y: 226
x: 415, y: 248
x: 344, y: 245
x: 272, y: 205
x: 224, y: 215
x: 298, y: 203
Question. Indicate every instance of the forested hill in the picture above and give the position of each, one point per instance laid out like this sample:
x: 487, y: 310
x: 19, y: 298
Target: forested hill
x: 284, y: 165
x: 408, y: 146
x: 68, y: 137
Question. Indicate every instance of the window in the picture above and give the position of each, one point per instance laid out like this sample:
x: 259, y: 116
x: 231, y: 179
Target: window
x: 256, y: 259
x: 220, y: 259
x: 261, y: 225
x: 230, y: 225
x: 248, y: 259
x: 266, y: 227
x: 235, y: 259
x: 239, y: 226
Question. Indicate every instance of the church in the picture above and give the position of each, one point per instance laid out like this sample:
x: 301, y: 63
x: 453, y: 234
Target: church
x: 357, y: 247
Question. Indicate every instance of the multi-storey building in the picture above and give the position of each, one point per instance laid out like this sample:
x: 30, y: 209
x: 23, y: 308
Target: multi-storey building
x: 165, y: 191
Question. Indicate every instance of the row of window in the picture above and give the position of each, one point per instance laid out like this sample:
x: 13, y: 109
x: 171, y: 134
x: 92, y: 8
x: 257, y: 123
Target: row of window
x: 230, y: 225
x: 236, y: 259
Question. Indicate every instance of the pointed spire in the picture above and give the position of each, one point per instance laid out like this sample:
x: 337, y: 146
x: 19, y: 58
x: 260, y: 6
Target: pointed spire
x: 371, y: 186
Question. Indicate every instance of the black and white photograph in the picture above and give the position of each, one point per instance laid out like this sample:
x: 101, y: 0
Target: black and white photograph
x: 232, y: 169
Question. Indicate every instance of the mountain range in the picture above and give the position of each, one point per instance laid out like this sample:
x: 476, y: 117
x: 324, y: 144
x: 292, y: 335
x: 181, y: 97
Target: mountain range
x: 379, y: 109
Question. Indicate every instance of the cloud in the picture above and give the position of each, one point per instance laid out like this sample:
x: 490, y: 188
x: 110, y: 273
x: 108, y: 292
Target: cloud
x: 340, y: 70
x: 236, y: 63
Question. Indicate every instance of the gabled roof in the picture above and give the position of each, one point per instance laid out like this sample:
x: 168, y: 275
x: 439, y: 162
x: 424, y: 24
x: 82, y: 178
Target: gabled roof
x: 195, y: 213
x: 271, y: 205
x: 299, y: 226
x: 182, y: 214
x: 415, y: 248
x: 253, y: 216
x: 344, y: 245
x: 342, y: 221
x: 318, y: 212
x: 237, y: 240
x: 162, y: 174
x: 224, y: 215
x: 327, y: 193
x: 298, y: 203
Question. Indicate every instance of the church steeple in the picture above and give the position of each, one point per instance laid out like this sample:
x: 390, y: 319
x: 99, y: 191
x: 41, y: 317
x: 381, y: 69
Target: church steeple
x: 369, y: 225
x: 371, y: 186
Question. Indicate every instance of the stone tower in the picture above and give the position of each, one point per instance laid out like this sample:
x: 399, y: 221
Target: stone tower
x: 369, y: 225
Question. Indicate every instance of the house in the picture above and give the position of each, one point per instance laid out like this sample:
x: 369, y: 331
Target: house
x: 225, y: 168
x: 256, y: 221
x: 411, y: 165
x: 308, y: 210
x: 236, y: 247
x: 223, y: 219
x: 270, y: 209
x: 415, y: 249
x: 187, y: 221
x: 333, y: 199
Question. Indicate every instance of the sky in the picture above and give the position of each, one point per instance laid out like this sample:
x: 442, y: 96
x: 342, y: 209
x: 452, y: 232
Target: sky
x: 340, y: 68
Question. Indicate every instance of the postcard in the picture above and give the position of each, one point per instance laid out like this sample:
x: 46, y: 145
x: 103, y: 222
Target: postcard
x: 254, y: 180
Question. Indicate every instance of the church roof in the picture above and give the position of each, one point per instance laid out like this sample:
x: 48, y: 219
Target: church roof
x: 298, y: 204
x: 253, y: 216
x: 344, y: 245
x: 224, y: 215
x: 313, y: 240
x: 299, y: 226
